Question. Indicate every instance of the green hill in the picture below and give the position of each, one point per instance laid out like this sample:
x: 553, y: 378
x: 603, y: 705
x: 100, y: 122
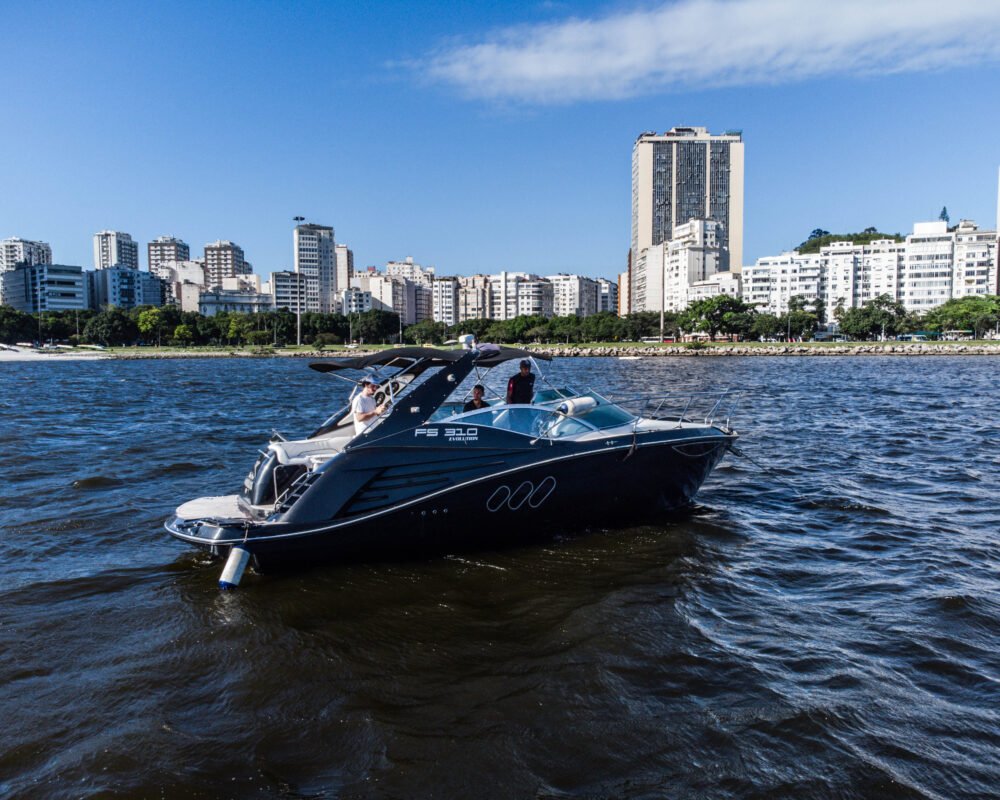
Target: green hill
x: 814, y: 242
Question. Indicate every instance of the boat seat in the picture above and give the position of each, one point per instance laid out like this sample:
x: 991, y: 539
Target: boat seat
x: 310, y: 452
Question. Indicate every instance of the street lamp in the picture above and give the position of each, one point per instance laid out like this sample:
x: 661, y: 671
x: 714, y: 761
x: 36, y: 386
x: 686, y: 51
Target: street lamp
x: 298, y: 296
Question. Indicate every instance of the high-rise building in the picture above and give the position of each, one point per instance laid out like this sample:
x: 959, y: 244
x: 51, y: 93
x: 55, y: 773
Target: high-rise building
x: 288, y: 290
x: 573, y: 295
x: 475, y: 299
x: 444, y: 293
x: 115, y: 249
x: 164, y: 249
x: 663, y: 273
x: 44, y: 287
x: 224, y: 259
x: 685, y: 174
x: 316, y: 259
x: 124, y: 287
x: 15, y: 252
x: 515, y: 294
x: 410, y: 270
x: 607, y: 296
x: 345, y: 267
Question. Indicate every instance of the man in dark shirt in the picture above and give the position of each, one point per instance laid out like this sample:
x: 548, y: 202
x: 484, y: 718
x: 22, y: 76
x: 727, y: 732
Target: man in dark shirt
x: 521, y: 387
x: 477, y: 401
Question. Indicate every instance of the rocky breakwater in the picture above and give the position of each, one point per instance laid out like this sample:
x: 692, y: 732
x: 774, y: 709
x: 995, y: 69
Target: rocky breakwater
x: 874, y: 348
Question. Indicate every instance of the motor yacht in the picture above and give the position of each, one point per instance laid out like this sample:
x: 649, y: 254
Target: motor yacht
x: 428, y: 476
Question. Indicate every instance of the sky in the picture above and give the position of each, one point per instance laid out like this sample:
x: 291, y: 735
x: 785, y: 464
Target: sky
x: 477, y: 137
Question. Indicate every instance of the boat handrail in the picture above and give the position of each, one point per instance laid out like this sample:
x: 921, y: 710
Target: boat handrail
x: 707, y: 405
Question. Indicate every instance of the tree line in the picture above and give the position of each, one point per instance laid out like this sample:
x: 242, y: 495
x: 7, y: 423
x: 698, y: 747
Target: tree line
x: 716, y: 316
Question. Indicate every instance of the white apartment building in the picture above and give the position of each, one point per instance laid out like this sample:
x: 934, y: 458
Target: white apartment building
x: 444, y: 299
x: 925, y: 279
x: 931, y: 267
x: 607, y: 296
x: 410, y: 271
x: 684, y: 174
x: 165, y: 249
x: 44, y: 287
x: 773, y: 281
x: 663, y: 273
x: 15, y: 251
x: 288, y: 290
x: 316, y: 258
x: 345, y: 266
x: 224, y: 259
x: 475, y: 299
x: 727, y: 283
x: 177, y: 275
x: 573, y: 295
x: 115, y: 249
x: 355, y: 301
x: 515, y: 294
x: 975, y: 261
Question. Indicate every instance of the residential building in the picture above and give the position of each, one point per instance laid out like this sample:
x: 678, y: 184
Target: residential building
x: 444, y: 296
x: 975, y: 261
x: 115, y: 249
x: 355, y: 301
x: 573, y: 295
x: 474, y: 298
x: 389, y: 294
x: 515, y: 294
x: 684, y: 174
x: 288, y: 290
x: 316, y: 259
x: 124, y: 287
x: 224, y: 259
x: 44, y: 287
x: 345, y: 266
x: 234, y: 301
x: 663, y: 273
x: 607, y: 296
x: 625, y: 291
x: 15, y: 252
x: 177, y: 275
x: 410, y: 271
x: 164, y: 250
x: 772, y: 281
x: 727, y: 283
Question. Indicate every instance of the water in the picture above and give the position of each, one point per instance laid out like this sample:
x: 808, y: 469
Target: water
x: 825, y: 625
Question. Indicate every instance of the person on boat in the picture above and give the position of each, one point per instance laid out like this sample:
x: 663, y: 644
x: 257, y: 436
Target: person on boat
x: 364, y: 407
x: 521, y: 387
x: 477, y: 401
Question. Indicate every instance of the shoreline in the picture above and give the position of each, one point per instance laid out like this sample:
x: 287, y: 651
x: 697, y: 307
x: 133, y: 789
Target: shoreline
x: 558, y: 351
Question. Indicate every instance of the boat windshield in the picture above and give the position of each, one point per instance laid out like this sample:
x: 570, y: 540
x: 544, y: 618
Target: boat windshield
x: 544, y: 419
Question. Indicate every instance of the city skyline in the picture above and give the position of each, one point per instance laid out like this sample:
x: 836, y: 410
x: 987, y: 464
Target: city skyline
x: 377, y: 124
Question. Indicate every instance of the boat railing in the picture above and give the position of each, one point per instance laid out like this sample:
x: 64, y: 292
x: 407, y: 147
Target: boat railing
x: 707, y: 407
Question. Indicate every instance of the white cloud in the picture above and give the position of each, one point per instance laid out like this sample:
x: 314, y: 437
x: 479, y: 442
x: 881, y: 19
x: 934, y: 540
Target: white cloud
x: 711, y: 43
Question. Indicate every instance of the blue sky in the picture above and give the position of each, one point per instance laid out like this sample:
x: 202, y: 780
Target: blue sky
x: 484, y: 136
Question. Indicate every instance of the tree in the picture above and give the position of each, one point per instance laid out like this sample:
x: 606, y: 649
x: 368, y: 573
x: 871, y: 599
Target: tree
x: 240, y: 326
x: 16, y: 326
x: 715, y: 314
x: 977, y: 313
x: 151, y: 323
x: 882, y: 316
x: 765, y: 326
x: 818, y: 233
x: 943, y: 216
x: 111, y: 327
x: 425, y: 332
x: 183, y: 335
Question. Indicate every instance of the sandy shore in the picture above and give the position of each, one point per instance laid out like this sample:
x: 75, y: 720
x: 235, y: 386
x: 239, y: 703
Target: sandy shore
x: 24, y: 354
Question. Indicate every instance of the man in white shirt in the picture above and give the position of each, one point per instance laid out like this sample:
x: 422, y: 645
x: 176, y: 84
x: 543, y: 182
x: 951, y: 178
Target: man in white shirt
x: 364, y: 408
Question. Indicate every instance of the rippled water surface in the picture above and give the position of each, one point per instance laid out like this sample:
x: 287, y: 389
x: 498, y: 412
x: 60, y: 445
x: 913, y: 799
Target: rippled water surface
x: 824, y: 625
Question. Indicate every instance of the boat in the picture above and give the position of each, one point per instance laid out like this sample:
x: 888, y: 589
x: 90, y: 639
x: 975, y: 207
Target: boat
x: 429, y: 477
